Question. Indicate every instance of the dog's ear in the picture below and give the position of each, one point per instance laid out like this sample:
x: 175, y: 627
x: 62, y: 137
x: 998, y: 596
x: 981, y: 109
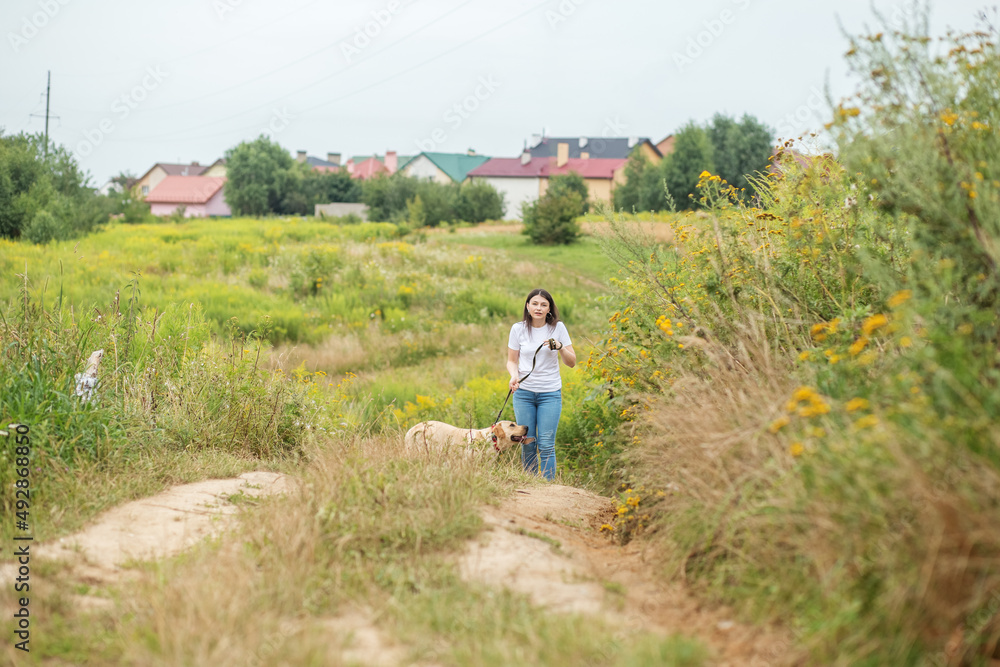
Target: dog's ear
x: 498, y: 430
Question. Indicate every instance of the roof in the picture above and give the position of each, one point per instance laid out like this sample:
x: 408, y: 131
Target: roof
x: 181, y: 169
x: 320, y: 162
x: 368, y: 169
x: 511, y: 167
x: 596, y: 147
x: 175, y: 169
x: 455, y: 165
x: 185, y: 190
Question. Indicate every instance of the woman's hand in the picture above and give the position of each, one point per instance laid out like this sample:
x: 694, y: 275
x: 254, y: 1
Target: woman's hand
x: 554, y: 344
x: 514, y: 384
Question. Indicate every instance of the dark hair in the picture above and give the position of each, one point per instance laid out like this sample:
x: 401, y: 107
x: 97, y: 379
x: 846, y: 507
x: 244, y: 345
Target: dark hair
x: 552, y: 317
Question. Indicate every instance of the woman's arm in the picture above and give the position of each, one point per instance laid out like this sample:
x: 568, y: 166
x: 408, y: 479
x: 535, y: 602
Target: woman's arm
x: 513, y: 357
x: 568, y: 355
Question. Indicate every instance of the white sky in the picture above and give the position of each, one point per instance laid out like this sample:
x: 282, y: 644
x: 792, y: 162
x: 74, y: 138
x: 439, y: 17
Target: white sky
x: 134, y: 83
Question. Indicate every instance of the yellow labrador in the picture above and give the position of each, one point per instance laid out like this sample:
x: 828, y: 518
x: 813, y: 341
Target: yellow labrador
x: 438, y: 436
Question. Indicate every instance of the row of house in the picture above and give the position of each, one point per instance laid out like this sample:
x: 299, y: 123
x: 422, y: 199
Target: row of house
x: 599, y: 160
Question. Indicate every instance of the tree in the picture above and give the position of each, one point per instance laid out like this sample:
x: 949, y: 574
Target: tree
x: 44, y: 192
x: 692, y: 155
x: 478, y: 201
x: 551, y: 219
x: 259, y: 177
x: 739, y: 149
x: 565, y: 184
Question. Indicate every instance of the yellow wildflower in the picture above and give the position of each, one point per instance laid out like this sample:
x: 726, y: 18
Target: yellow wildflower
x: 868, y: 421
x: 796, y: 449
x: 899, y: 298
x: 778, y: 424
x: 874, y: 323
x: 856, y: 404
x: 858, y: 345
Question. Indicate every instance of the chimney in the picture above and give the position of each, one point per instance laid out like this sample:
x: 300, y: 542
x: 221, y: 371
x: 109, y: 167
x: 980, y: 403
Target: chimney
x: 471, y: 151
x: 525, y: 157
x: 583, y: 142
x: 584, y: 155
x: 562, y: 155
x: 301, y: 157
x: 194, y: 163
x: 334, y: 158
x: 632, y: 141
x: 535, y: 140
x: 391, y: 161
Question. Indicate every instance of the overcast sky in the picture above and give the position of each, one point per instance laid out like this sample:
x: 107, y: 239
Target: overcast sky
x: 135, y: 83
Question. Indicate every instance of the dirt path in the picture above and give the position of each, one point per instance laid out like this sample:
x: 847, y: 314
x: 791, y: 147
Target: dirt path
x: 545, y: 542
x: 156, y: 527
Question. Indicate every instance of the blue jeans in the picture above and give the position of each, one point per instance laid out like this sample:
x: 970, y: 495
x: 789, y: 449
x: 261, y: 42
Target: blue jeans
x: 539, y: 411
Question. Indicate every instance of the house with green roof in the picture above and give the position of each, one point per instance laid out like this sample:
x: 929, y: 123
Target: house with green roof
x: 443, y: 167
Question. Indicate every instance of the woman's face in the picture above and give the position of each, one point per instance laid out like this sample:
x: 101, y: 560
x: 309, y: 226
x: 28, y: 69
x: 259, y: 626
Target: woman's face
x: 538, y: 308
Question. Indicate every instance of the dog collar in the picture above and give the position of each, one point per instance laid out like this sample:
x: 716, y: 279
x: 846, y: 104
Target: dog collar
x: 493, y: 436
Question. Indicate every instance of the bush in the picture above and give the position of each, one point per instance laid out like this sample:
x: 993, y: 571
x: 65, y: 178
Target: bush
x: 478, y: 201
x: 821, y: 370
x: 551, y: 220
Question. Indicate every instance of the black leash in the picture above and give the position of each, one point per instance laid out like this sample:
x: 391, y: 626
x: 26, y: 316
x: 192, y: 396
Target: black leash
x: 534, y: 359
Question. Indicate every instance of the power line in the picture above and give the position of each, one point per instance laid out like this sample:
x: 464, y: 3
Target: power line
x: 173, y: 135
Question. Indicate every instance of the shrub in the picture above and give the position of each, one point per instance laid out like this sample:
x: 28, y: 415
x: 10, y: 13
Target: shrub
x: 478, y: 201
x: 551, y: 220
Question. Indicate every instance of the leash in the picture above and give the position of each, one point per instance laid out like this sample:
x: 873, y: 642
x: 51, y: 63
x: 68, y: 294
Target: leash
x: 534, y: 359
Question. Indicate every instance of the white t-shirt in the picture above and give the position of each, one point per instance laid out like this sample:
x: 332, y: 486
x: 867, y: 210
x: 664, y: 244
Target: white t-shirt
x: 526, y: 339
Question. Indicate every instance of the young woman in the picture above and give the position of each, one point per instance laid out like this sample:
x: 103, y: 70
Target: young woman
x: 538, y: 400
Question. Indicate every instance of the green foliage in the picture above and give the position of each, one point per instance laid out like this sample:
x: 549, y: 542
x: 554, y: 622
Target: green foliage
x: 569, y: 184
x: 740, y: 149
x: 44, y: 196
x: 259, y: 177
x: 680, y: 170
x: 551, y: 219
x: 478, y: 201
x: 822, y: 368
x: 733, y: 150
x: 391, y: 198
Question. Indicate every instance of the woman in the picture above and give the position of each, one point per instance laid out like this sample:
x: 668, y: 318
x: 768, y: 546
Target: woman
x: 538, y: 399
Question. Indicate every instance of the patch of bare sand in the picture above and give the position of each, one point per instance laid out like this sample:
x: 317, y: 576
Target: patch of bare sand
x: 545, y: 542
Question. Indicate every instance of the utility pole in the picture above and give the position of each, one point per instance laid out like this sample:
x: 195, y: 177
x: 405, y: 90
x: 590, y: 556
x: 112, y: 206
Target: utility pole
x: 48, y: 90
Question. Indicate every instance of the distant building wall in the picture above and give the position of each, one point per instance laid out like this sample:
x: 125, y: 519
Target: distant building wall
x: 516, y: 191
x: 341, y: 209
x: 423, y: 168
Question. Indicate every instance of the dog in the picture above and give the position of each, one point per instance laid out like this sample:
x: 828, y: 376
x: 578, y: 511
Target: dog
x: 86, y: 381
x: 439, y: 436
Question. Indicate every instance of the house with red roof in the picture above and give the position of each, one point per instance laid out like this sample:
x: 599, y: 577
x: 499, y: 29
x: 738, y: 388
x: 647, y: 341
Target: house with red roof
x: 201, y: 196
x: 364, y: 167
x: 523, y: 180
x: 148, y: 181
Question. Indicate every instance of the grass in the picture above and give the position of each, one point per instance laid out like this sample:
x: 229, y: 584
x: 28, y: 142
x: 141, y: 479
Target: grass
x: 583, y: 258
x: 370, y: 534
